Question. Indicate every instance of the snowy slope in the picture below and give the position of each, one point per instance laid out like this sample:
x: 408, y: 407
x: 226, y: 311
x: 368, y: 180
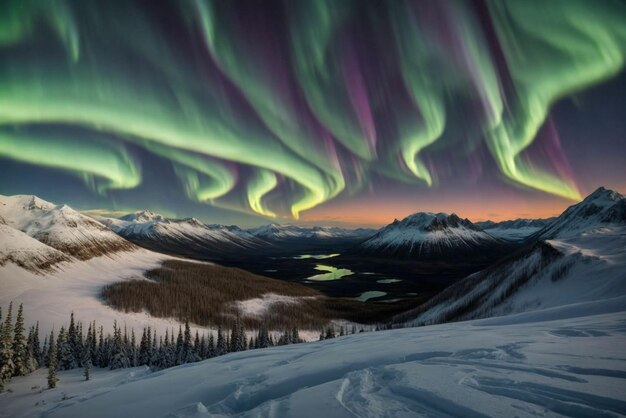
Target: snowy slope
x: 426, y: 235
x: 566, y: 364
x: 601, y: 208
x: 584, y: 261
x: 50, y: 296
x: 183, y: 236
x: 547, y: 274
x: 276, y: 232
x: 18, y: 248
x: 60, y: 227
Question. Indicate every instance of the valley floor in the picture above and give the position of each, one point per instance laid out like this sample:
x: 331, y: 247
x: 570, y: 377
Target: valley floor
x: 568, y: 361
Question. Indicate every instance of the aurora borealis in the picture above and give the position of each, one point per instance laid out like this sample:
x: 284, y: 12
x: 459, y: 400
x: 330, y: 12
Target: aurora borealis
x: 278, y: 108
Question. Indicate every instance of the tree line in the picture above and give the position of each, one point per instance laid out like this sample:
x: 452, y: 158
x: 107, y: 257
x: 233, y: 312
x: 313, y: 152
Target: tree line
x: 78, y: 346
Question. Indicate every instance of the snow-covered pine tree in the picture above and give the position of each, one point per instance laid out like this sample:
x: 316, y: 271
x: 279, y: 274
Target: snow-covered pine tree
x: 144, y: 354
x: 30, y: 361
x: 202, y: 350
x: 37, y: 351
x: 330, y: 333
x: 179, y: 346
x: 285, y: 338
x: 221, y: 347
x: 119, y: 359
x: 52, y: 366
x: 87, y: 371
x: 94, y: 341
x: 19, y: 344
x: 196, y: 346
x: 188, y: 354
x: 154, y: 351
x: 72, y: 343
x: 6, y: 349
x: 132, y: 349
x: 210, y: 349
x: 44, y: 353
x: 100, y: 351
x: 65, y: 354
x: 87, y: 361
x: 295, y: 336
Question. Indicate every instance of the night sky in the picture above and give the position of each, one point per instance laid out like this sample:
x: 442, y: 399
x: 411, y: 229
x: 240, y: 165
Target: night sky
x: 327, y: 112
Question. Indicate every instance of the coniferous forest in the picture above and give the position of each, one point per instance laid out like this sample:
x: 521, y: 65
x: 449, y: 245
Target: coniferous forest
x: 78, y: 345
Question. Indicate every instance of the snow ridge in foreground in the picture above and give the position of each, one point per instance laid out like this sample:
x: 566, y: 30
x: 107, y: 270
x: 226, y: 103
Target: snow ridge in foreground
x: 573, y: 366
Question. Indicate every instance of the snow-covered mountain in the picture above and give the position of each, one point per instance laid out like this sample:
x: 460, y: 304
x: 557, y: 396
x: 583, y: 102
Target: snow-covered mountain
x: 513, y: 230
x: 60, y: 227
x: 602, y: 208
x: 426, y: 235
x: 184, y: 236
x: 18, y: 248
x: 583, y: 260
x: 276, y: 232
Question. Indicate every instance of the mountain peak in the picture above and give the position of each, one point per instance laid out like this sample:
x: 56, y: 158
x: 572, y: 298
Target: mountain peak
x: 142, y: 216
x: 602, y: 207
x: 603, y: 194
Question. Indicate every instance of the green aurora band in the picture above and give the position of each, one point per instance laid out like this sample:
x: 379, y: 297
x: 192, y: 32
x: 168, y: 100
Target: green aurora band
x: 316, y: 95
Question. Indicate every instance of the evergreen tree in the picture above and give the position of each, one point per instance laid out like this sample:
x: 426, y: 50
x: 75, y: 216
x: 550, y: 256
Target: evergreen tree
x: 30, y: 362
x: 94, y: 342
x: 211, y: 350
x: 37, y: 352
x: 295, y: 336
x: 87, y: 371
x: 237, y: 337
x: 144, y: 352
x: 188, y: 355
x: 133, y: 349
x: 87, y: 359
x: 119, y: 359
x: 196, y: 346
x: 72, y: 345
x: 221, y: 347
x: 44, y: 353
x: 6, y: 349
x: 154, y: 352
x: 330, y: 333
x: 100, y: 352
x: 52, y: 367
x: 202, y: 351
x: 179, y: 346
x: 19, y: 344
x: 65, y: 355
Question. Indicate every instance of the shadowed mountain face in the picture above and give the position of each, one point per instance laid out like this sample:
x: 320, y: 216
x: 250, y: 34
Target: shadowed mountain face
x: 428, y: 236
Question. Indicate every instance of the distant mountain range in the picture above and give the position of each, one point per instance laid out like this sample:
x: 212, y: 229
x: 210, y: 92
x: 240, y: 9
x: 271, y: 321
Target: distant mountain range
x: 190, y: 237
x: 276, y: 232
x: 513, y: 230
x: 421, y: 236
x: 187, y: 237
